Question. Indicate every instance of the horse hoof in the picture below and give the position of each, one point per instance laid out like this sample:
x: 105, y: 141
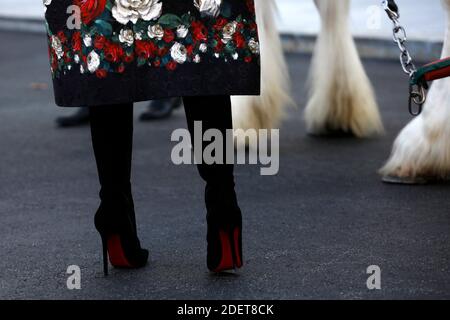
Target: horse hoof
x: 404, y: 180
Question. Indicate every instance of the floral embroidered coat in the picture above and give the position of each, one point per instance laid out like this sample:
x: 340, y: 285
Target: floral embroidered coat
x: 117, y: 51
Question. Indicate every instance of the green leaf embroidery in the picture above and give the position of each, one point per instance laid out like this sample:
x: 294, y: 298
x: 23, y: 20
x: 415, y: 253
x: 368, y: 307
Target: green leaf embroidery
x: 104, y: 27
x: 170, y: 21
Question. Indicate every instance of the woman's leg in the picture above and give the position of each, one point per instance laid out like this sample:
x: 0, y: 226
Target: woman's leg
x: 214, y: 112
x: 223, y: 213
x: 112, y: 141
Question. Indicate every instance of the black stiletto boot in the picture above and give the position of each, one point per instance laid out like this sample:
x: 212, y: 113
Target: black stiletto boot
x: 112, y: 138
x: 224, y: 235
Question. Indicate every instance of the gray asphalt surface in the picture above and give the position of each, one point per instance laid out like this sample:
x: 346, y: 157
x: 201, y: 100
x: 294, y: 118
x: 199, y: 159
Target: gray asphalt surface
x: 310, y: 232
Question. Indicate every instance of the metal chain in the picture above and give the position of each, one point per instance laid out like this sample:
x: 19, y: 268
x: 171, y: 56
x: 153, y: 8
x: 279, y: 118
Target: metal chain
x: 417, y: 93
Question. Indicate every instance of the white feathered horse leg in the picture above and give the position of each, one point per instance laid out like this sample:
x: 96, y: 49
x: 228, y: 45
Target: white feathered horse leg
x: 341, y: 97
x: 265, y: 111
x: 421, y: 152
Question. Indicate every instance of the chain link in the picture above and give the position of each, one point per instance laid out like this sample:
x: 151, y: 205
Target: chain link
x: 417, y: 93
x: 400, y: 38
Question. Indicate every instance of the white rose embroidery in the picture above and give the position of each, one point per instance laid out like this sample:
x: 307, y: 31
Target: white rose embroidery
x: 208, y: 7
x: 203, y: 47
x: 182, y: 31
x: 93, y: 61
x: 57, y: 46
x: 156, y: 31
x: 228, y: 31
x: 87, y: 40
x: 125, y: 11
x: 253, y: 45
x: 178, y: 53
x: 126, y: 36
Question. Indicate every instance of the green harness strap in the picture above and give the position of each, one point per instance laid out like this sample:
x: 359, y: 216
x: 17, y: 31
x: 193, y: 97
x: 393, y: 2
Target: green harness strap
x: 432, y: 71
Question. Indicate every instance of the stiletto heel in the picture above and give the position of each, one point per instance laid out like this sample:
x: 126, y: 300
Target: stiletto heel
x: 237, y: 242
x: 105, y: 256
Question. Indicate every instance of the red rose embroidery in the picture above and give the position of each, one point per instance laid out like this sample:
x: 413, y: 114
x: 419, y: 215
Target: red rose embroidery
x: 76, y: 41
x: 100, y: 42
x: 163, y: 51
x: 145, y: 49
x: 113, y: 52
x: 220, y: 45
x: 189, y: 49
x: 169, y: 35
x: 172, y: 65
x: 128, y: 58
x: 101, y: 73
x: 121, y: 68
x: 239, y: 40
x: 90, y: 9
x: 248, y: 59
x: 199, y: 31
x: 62, y: 36
x: 220, y: 23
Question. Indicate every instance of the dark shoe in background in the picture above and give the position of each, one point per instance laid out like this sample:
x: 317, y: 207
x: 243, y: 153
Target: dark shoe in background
x: 160, y: 109
x: 79, y: 118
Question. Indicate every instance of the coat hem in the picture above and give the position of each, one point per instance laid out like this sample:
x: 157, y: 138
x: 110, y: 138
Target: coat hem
x: 157, y: 97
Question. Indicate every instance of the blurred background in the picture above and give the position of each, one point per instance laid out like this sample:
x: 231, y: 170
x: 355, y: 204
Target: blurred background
x: 315, y: 227
x: 415, y: 14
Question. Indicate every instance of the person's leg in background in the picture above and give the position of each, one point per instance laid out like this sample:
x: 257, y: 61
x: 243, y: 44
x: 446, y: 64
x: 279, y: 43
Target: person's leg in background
x: 160, y: 109
x: 223, y: 214
x: 79, y: 118
x: 156, y: 110
x: 112, y: 141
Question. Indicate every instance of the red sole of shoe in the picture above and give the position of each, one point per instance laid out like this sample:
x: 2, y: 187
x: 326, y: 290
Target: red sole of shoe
x: 226, y: 263
x: 116, y: 253
x: 236, y: 247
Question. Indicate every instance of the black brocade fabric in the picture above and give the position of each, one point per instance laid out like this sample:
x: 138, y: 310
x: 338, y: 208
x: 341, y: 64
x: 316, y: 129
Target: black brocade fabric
x: 212, y: 76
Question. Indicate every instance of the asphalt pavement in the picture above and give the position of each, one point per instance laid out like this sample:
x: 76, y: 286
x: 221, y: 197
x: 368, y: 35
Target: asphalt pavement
x: 310, y: 232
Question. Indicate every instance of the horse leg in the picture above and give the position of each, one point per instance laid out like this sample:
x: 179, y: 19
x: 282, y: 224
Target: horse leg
x: 265, y: 111
x: 421, y: 151
x: 341, y: 97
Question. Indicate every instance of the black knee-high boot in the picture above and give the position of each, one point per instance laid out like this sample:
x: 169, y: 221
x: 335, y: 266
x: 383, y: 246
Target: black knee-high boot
x: 223, y: 214
x: 112, y: 140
